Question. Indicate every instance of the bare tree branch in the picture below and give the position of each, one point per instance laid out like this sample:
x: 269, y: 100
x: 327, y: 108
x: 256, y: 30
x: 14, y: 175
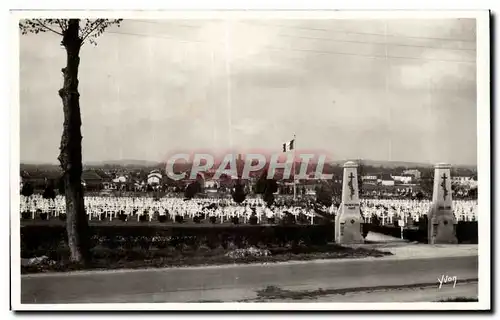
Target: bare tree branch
x: 92, y: 28
x: 61, y: 25
x: 40, y: 23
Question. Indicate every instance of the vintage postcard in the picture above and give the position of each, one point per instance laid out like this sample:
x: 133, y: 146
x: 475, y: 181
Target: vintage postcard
x: 257, y: 160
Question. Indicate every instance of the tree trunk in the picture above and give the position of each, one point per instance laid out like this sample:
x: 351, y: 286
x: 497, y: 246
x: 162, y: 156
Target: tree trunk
x: 71, y: 148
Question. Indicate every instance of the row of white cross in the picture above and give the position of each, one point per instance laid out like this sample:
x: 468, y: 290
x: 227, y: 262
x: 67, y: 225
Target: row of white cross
x: 110, y: 208
x: 387, y: 210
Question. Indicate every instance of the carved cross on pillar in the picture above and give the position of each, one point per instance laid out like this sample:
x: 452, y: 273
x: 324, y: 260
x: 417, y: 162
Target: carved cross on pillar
x: 351, y: 185
x: 443, y: 185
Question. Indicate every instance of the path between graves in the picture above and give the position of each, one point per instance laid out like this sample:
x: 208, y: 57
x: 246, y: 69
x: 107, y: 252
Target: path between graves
x: 412, y: 264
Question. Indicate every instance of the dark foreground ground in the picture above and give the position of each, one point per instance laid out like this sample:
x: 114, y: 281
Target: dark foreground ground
x: 153, y: 246
x: 109, y: 259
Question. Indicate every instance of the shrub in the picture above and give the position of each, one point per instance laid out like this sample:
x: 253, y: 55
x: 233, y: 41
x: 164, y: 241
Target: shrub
x: 212, y: 219
x: 239, y: 193
x: 27, y: 189
x: 324, y: 195
x: 253, y: 220
x: 192, y: 189
x: 248, y: 252
x: 288, y: 219
x: 302, y: 219
x: 366, y: 229
x: 162, y: 218
x: 267, y: 187
x: 268, y: 198
x: 49, y: 192
x: 423, y: 223
x: 235, y: 220
x: 60, y: 186
x: 261, y: 184
x: 375, y: 220
x: 467, y: 232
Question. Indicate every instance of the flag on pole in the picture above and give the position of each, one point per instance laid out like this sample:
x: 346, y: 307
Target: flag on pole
x: 288, y: 146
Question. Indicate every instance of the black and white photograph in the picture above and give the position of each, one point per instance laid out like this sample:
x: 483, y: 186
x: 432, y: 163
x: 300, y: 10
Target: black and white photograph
x: 274, y: 160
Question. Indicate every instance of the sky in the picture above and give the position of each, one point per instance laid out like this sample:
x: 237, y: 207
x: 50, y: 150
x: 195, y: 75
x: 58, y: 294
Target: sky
x: 398, y: 90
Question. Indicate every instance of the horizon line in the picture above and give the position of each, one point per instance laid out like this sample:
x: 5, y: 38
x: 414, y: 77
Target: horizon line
x: 155, y: 162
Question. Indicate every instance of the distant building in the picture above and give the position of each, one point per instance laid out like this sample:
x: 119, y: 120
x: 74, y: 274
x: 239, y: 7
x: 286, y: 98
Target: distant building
x: 39, y: 179
x: 461, y: 179
x: 369, y: 179
x: 154, y: 177
x: 464, y: 181
x: 413, y: 172
x: 211, y: 184
x: 311, y: 190
x: 386, y: 180
x: 404, y: 179
x: 120, y: 179
x: 91, y: 179
x: 109, y: 186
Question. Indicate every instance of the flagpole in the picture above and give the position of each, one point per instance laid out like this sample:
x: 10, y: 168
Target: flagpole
x: 293, y: 166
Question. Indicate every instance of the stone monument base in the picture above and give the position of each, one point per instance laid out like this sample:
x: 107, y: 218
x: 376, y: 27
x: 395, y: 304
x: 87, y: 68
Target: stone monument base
x: 442, y: 227
x: 349, y: 225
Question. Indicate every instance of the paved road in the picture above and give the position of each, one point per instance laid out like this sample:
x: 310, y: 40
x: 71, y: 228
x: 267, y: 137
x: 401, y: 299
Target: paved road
x: 239, y: 282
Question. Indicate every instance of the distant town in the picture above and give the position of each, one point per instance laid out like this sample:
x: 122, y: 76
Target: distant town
x: 377, y: 179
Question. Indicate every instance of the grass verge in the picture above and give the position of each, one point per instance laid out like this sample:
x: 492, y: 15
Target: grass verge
x: 132, y: 258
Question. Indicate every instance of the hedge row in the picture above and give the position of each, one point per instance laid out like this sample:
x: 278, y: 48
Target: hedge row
x: 467, y: 232
x: 43, y: 239
x: 36, y: 239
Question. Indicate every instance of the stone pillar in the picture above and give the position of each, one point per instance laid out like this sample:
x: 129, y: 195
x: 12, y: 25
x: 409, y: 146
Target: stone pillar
x: 442, y: 222
x: 348, y: 220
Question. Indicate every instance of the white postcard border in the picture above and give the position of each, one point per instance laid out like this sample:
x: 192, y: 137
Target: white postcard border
x: 483, y: 132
